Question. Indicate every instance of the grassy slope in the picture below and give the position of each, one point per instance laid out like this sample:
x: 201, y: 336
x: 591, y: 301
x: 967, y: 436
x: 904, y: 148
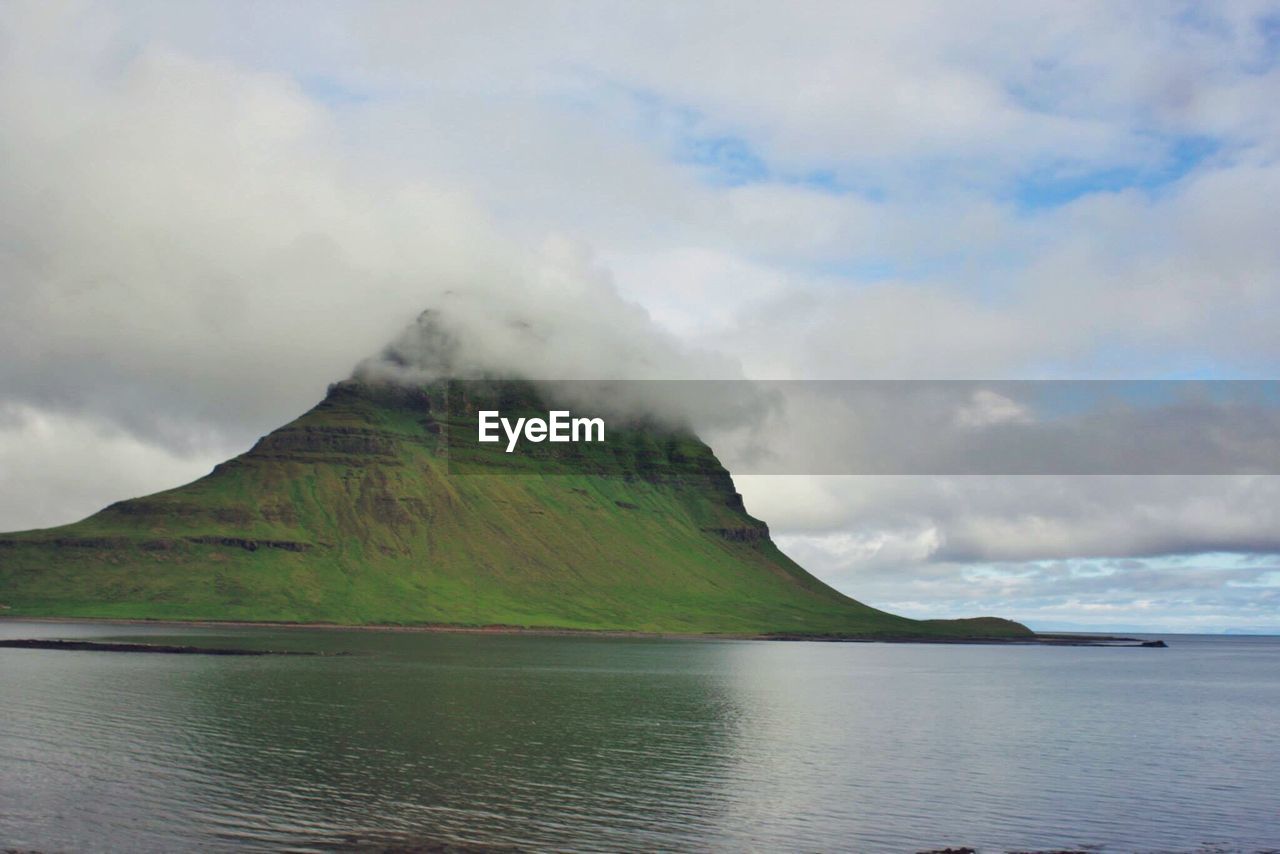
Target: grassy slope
x: 351, y: 515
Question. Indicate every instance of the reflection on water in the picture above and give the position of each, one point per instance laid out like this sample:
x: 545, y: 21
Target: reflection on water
x: 608, y: 744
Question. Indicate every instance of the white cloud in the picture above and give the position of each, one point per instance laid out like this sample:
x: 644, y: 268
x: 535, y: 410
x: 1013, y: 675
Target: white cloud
x: 59, y: 467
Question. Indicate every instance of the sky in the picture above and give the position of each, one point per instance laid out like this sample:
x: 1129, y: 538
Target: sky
x: 210, y: 211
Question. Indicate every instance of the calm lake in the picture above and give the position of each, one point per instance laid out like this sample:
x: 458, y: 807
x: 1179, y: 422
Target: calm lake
x: 555, y: 743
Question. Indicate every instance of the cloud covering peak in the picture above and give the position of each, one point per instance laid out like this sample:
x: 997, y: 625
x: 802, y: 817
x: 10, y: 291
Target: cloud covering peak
x: 562, y: 319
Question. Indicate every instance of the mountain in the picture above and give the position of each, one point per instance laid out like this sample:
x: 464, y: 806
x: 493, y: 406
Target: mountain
x: 362, y: 511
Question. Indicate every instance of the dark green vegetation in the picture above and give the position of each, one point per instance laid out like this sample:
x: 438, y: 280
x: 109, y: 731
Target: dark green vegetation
x: 350, y: 515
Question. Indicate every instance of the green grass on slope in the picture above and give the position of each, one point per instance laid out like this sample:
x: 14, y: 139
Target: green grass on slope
x: 351, y: 515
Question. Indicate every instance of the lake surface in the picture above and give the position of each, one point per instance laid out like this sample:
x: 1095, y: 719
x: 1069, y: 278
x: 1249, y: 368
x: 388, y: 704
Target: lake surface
x: 631, y: 744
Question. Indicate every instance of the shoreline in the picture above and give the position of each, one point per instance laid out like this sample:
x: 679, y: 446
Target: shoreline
x: 1048, y: 639
x: 153, y: 648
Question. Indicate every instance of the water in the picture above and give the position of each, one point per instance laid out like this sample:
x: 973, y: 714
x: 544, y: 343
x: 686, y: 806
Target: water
x: 631, y: 744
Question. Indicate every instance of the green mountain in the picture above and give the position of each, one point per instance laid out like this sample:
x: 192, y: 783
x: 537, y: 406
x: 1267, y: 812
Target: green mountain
x: 362, y: 512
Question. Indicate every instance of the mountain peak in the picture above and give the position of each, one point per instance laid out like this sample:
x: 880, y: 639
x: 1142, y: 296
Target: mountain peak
x: 352, y: 514
x: 424, y: 351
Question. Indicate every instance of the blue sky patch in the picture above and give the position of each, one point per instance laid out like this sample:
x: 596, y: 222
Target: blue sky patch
x: 1054, y: 187
x: 331, y: 92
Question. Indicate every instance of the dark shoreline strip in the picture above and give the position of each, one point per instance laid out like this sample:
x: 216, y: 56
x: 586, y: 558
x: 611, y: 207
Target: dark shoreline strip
x: 108, y: 646
x: 1036, y: 640
x: 1046, y: 639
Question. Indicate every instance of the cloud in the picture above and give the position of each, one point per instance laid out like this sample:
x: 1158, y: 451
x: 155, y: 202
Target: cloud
x: 989, y: 518
x: 188, y: 246
x: 1209, y: 593
x: 183, y: 247
x: 561, y: 319
x: 1011, y: 428
x: 1029, y: 547
x: 64, y: 467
